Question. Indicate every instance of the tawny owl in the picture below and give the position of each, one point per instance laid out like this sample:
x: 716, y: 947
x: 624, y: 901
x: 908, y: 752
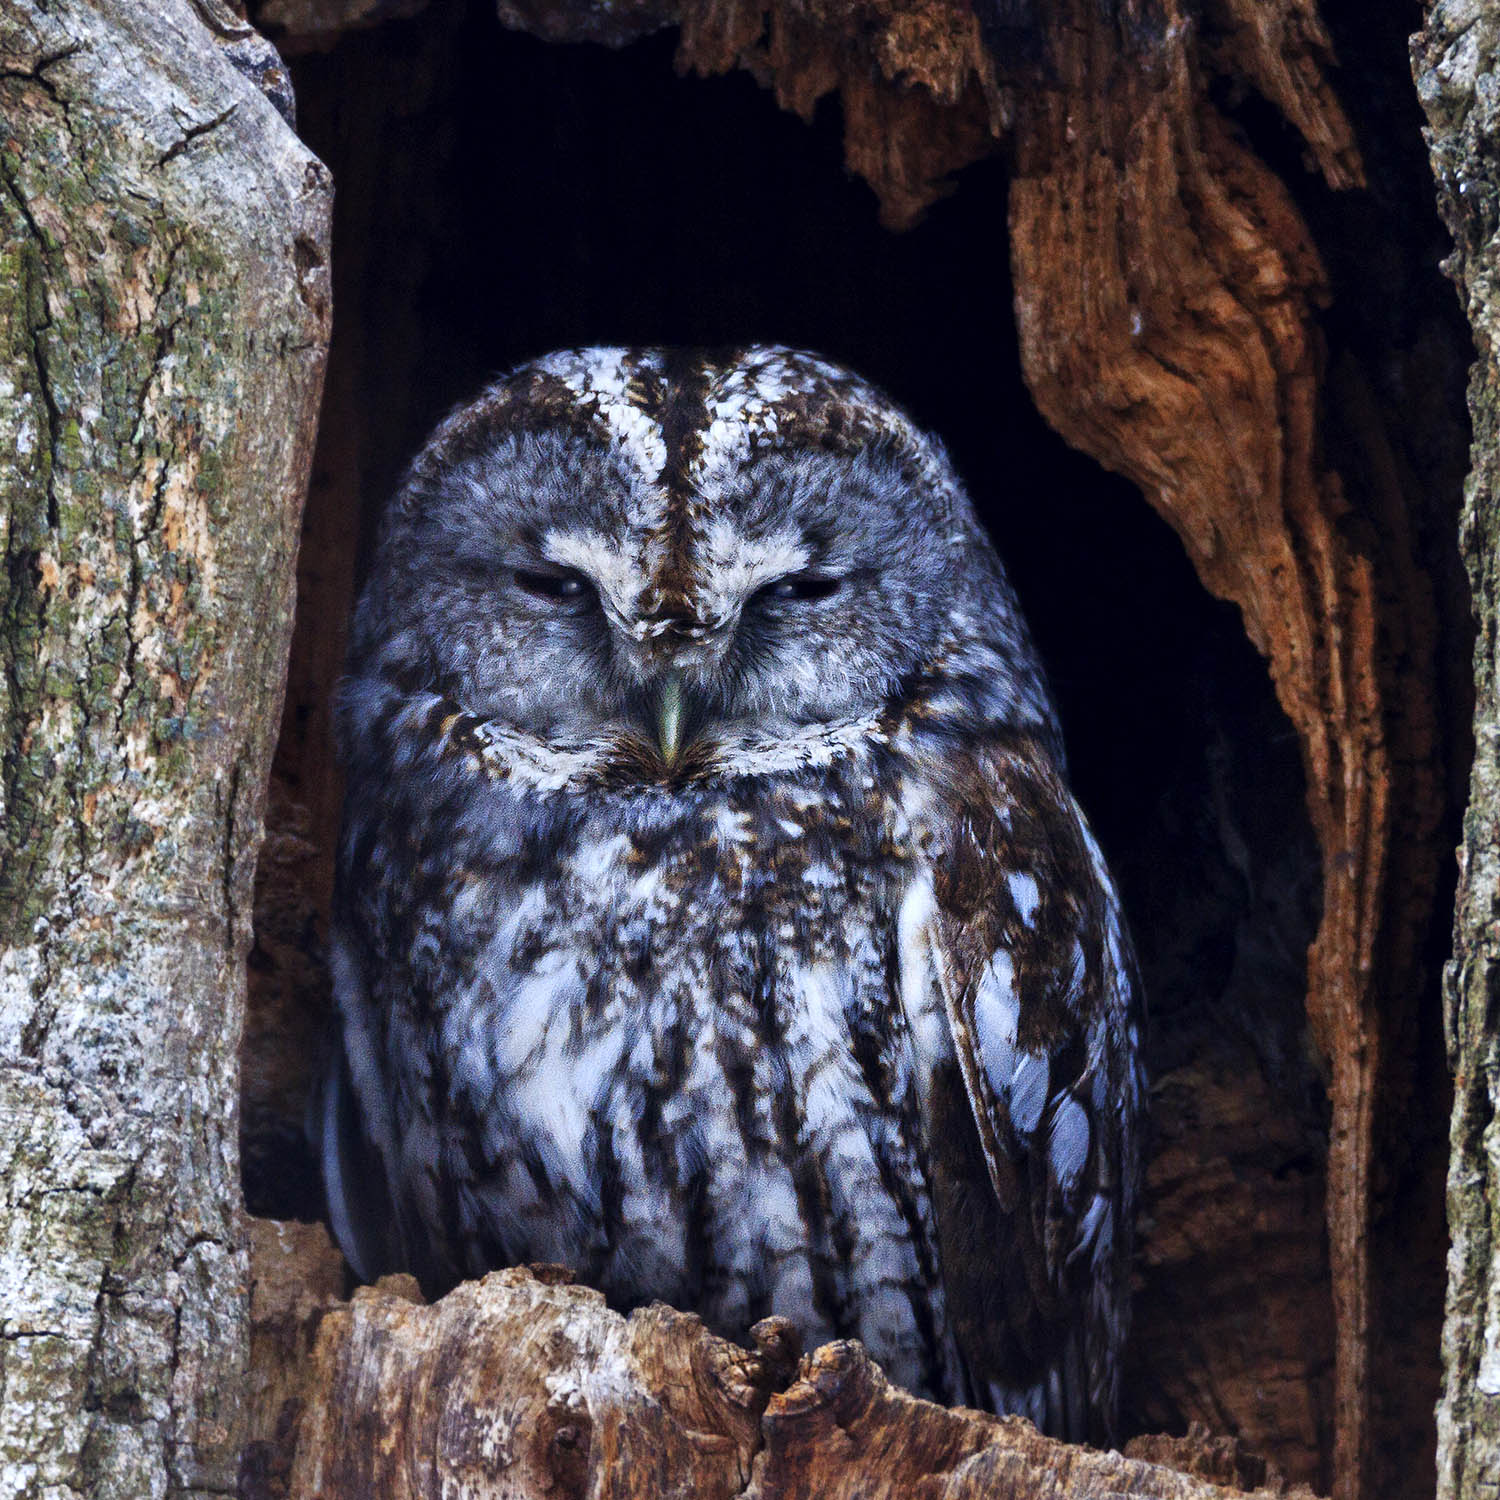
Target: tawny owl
x: 713, y: 915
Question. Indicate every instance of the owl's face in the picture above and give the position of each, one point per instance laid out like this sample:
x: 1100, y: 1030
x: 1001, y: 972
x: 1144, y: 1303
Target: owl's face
x: 674, y: 551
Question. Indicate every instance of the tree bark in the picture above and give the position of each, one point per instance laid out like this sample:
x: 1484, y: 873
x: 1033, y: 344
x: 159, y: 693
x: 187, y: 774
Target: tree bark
x: 163, y: 321
x: 164, y: 317
x: 1456, y: 59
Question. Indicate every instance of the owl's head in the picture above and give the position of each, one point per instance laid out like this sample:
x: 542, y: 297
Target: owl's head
x: 679, y: 550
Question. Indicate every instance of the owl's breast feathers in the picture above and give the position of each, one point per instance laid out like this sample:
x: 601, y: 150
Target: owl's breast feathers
x: 851, y: 1036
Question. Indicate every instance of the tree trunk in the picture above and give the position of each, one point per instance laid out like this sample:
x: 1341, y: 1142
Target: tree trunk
x: 1456, y: 61
x: 164, y: 312
x: 165, y: 315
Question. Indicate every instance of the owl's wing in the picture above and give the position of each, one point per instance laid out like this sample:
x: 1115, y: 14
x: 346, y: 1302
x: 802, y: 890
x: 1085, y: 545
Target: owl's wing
x: 1014, y: 938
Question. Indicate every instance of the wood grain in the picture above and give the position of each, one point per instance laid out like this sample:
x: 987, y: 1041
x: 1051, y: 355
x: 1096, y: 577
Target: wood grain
x: 522, y: 1385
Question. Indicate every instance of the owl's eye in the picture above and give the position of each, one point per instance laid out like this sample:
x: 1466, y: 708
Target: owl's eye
x: 797, y: 588
x: 562, y: 587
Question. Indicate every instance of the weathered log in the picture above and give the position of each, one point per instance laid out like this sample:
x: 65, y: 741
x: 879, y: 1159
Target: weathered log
x: 163, y: 320
x: 1455, y: 59
x: 524, y: 1385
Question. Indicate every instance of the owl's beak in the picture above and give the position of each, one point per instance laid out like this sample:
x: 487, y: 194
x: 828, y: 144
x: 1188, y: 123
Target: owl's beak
x: 669, y: 719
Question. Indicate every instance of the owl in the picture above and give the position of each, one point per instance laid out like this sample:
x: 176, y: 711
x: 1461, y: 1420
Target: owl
x: 712, y: 913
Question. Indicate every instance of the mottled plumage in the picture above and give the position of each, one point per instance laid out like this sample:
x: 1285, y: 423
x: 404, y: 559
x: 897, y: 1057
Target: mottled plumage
x: 712, y: 914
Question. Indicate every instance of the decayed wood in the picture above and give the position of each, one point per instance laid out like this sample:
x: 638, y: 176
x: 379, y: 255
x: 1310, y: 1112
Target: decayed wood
x: 163, y: 318
x: 1232, y: 1321
x: 1455, y: 59
x: 523, y: 1385
x: 289, y: 1002
x: 1164, y: 292
x: 915, y: 80
x: 841, y: 1432
x: 296, y: 1275
x: 1165, y: 288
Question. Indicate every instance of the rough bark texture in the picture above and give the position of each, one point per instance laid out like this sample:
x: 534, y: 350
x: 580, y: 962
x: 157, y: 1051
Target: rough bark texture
x: 163, y: 319
x: 524, y: 1385
x: 1166, y: 288
x: 1456, y: 60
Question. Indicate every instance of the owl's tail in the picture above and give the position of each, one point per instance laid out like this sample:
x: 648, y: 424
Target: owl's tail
x: 360, y: 1210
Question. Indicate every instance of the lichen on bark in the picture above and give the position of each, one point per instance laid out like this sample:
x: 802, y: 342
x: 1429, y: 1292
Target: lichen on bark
x: 163, y: 318
x: 1456, y: 60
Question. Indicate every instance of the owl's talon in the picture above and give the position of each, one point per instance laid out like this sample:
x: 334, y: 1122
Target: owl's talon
x: 778, y: 1346
x: 551, y: 1274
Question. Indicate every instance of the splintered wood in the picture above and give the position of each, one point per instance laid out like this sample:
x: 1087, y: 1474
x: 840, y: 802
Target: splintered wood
x: 524, y: 1385
x: 1166, y: 290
